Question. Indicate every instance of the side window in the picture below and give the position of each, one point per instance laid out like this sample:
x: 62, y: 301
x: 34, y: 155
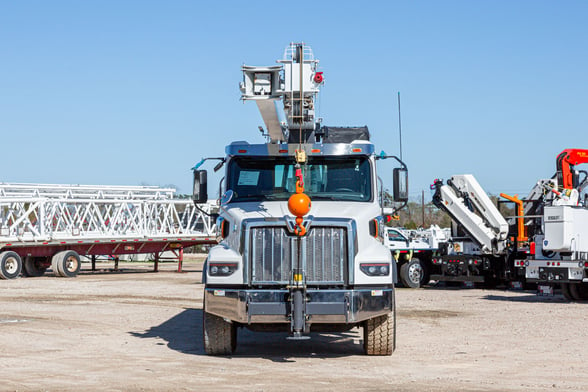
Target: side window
x: 393, y: 235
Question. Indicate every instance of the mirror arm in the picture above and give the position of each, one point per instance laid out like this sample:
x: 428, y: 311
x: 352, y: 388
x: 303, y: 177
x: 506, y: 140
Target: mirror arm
x: 402, y: 164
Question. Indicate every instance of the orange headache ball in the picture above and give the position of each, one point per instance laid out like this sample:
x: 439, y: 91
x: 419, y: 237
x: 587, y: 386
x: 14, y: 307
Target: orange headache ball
x: 299, y: 204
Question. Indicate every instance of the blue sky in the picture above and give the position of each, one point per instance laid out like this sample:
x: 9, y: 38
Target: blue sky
x: 137, y: 92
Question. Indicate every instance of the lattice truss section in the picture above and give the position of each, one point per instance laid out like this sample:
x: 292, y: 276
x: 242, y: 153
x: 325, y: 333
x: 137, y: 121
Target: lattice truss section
x: 109, y: 213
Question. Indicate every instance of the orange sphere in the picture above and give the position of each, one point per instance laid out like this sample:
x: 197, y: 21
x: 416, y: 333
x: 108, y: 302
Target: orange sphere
x: 299, y: 204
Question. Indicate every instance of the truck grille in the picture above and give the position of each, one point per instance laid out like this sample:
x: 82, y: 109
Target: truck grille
x: 274, y: 253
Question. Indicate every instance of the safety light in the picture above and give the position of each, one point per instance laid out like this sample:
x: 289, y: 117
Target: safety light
x: 318, y: 78
x: 225, y: 228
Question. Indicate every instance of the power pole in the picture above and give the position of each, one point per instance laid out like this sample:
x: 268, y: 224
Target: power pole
x: 423, y: 206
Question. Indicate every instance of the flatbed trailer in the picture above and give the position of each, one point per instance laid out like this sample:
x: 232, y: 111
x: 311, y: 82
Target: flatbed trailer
x: 48, y: 225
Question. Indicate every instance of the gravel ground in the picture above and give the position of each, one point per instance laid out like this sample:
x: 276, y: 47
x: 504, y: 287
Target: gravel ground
x: 135, y: 330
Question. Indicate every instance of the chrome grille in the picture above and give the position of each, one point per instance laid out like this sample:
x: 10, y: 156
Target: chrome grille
x: 274, y: 253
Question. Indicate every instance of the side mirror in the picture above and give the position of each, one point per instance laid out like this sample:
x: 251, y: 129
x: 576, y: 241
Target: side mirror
x: 200, y: 192
x: 400, y: 184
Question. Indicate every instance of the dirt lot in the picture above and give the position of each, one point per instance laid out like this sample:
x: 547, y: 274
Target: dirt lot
x: 140, y: 331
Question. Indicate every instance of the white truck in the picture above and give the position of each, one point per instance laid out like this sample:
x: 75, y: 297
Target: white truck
x: 413, y: 252
x: 479, y: 250
x: 301, y: 222
x: 559, y: 249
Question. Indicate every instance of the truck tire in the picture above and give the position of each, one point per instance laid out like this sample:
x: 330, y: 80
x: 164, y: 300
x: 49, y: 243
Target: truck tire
x: 10, y: 265
x: 34, y: 266
x: 565, y: 290
x: 220, y: 336
x: 412, y: 273
x: 579, y: 291
x: 379, y: 335
x: 66, y: 263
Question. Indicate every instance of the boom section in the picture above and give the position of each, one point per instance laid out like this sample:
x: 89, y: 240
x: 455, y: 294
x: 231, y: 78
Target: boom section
x: 468, y: 205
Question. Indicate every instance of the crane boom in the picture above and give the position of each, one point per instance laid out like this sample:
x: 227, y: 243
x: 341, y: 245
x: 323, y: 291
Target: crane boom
x: 461, y: 198
x: 295, y: 83
x: 565, y: 162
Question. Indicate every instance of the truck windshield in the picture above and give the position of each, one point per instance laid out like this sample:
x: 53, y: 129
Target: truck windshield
x: 325, y: 178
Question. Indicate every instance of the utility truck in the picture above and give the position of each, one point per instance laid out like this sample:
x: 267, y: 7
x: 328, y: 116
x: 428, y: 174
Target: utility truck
x: 480, y: 249
x: 559, y: 250
x: 413, y: 252
x: 300, y: 222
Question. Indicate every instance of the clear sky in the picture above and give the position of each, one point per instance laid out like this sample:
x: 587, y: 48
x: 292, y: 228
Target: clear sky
x: 136, y: 92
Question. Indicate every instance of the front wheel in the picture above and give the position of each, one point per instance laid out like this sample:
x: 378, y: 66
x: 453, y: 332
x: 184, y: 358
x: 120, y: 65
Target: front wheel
x: 412, y: 273
x: 220, y: 336
x: 10, y: 265
x: 379, y: 335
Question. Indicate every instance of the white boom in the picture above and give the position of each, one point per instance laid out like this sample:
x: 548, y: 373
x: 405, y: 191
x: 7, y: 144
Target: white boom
x: 460, y: 198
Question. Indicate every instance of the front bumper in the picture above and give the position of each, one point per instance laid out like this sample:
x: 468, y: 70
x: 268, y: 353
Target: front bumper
x: 321, y: 306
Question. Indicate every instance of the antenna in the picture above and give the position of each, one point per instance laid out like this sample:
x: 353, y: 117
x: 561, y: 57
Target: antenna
x: 399, y: 125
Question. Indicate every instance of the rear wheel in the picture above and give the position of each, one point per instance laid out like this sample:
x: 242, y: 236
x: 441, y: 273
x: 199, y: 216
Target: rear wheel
x: 565, y: 290
x: 34, y: 266
x: 10, y: 265
x: 220, y: 336
x: 412, y: 273
x: 66, y: 263
x: 379, y: 335
x: 579, y: 291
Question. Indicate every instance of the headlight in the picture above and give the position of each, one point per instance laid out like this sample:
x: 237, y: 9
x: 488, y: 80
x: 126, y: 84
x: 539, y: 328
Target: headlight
x: 375, y: 269
x: 222, y: 269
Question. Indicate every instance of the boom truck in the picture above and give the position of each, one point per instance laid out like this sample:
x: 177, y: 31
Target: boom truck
x: 479, y: 250
x: 301, y: 222
x: 559, y: 250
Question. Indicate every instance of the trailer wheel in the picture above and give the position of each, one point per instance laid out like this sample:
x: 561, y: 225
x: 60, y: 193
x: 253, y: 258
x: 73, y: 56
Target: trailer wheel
x: 66, y: 263
x: 220, y: 336
x: 412, y: 273
x: 34, y: 266
x: 579, y: 291
x: 379, y: 335
x: 10, y: 265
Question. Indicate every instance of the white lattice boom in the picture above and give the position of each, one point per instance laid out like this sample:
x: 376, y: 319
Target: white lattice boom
x: 32, y: 213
